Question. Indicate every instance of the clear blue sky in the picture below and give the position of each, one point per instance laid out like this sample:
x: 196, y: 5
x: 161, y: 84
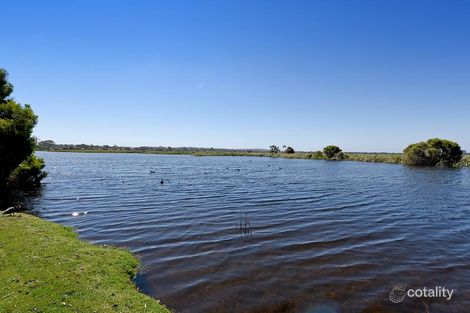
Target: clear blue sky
x: 364, y: 75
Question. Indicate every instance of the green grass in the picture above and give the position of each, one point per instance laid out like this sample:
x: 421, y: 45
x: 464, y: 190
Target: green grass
x: 229, y: 153
x: 465, y: 161
x: 394, y: 158
x: 44, y: 267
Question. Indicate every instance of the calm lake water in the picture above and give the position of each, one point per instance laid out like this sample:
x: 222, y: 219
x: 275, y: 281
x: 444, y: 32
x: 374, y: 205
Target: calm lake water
x: 315, y: 236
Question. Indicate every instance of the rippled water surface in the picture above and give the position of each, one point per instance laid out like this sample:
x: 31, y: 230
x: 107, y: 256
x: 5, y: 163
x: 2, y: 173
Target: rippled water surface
x: 239, y: 234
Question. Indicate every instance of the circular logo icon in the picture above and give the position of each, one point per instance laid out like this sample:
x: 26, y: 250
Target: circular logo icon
x: 398, y: 292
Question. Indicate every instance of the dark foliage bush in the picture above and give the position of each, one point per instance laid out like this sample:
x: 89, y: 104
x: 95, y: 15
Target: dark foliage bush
x: 18, y: 165
x: 289, y: 150
x: 29, y: 173
x: 434, y: 152
x: 274, y: 149
x: 333, y: 153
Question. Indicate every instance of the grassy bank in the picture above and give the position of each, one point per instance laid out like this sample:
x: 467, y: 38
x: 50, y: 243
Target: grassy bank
x: 392, y: 158
x: 465, y: 161
x: 45, y: 268
x: 363, y: 157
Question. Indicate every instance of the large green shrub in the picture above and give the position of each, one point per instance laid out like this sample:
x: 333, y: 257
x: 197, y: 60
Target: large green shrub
x: 17, y: 144
x: 289, y: 150
x: 434, y: 152
x: 29, y: 173
x: 333, y: 153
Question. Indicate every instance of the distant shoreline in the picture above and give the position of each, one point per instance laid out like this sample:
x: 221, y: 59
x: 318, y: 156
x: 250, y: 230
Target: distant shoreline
x: 371, y: 157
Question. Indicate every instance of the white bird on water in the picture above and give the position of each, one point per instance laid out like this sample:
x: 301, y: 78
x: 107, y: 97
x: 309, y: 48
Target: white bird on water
x: 78, y: 213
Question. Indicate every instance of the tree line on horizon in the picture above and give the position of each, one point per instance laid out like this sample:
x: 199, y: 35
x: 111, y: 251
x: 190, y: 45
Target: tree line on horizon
x: 50, y: 145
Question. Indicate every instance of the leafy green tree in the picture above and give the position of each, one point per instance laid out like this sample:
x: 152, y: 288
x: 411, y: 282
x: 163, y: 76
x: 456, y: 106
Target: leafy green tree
x: 16, y: 141
x: 5, y: 87
x: 333, y: 153
x: 289, y: 150
x: 434, y: 152
x: 46, y: 145
x: 274, y: 149
x: 29, y: 173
